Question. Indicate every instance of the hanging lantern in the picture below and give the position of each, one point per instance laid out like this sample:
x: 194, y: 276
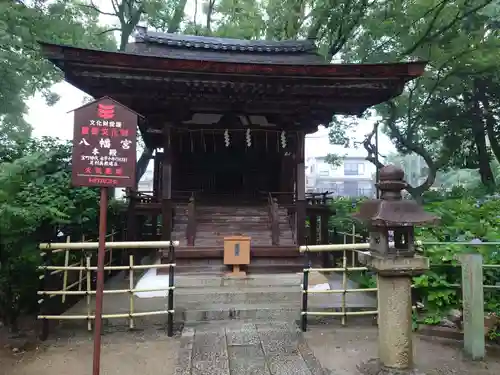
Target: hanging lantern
x: 248, y: 138
x: 227, y: 141
x: 283, y: 139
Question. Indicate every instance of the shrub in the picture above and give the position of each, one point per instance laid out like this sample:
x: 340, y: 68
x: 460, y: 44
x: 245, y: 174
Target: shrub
x: 35, y: 197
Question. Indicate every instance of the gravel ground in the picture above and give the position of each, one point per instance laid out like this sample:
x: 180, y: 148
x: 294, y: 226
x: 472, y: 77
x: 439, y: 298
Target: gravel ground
x: 124, y: 353
x: 341, y: 349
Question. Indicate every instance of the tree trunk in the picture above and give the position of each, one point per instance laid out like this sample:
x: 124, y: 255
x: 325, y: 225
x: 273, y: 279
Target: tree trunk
x: 175, y: 23
x: 488, y: 118
x: 478, y: 132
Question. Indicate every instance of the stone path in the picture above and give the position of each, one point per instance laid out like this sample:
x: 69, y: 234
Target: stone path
x: 246, y: 349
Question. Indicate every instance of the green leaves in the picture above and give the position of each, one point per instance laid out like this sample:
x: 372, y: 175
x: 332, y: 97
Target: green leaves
x: 464, y: 216
x: 35, y: 196
x: 23, y: 70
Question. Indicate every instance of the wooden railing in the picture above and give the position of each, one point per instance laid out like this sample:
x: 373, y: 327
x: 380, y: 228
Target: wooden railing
x: 183, y: 195
x: 141, y: 196
x: 318, y: 198
x: 146, y: 196
x: 284, y: 198
x: 191, y: 224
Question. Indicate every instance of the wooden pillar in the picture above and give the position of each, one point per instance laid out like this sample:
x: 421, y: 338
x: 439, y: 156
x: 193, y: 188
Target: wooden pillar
x: 284, y: 182
x: 166, y: 189
x: 288, y: 178
x: 326, y: 257
x: 313, y: 224
x: 156, y: 192
x: 300, y: 191
x: 325, y: 217
x: 132, y: 215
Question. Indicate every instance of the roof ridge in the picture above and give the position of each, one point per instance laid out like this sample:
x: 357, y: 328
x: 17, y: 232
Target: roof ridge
x: 224, y: 44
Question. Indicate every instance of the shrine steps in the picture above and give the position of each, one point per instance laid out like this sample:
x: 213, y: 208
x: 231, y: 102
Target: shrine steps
x: 221, y: 298
x: 216, y: 222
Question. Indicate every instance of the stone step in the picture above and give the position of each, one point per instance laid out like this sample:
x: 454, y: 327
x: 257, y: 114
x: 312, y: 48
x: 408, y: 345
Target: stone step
x: 224, y: 312
x: 250, y: 269
x: 256, y: 229
x: 234, y: 219
x: 201, y: 280
x: 255, y: 210
x: 233, y: 227
x: 258, y: 212
x: 192, y: 298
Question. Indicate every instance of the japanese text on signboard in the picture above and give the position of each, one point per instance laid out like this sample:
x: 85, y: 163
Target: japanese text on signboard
x: 104, y: 145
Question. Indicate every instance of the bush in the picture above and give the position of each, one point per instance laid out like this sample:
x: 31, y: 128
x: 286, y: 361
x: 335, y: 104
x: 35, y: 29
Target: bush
x: 463, y: 217
x: 36, y: 197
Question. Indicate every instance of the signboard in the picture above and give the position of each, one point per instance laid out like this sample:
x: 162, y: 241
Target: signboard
x: 104, y: 145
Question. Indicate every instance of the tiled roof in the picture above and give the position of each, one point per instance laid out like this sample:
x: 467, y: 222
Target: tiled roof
x: 224, y: 49
x: 224, y: 44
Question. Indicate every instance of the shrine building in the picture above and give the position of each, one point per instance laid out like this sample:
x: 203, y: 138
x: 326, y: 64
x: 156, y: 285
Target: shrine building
x: 226, y: 120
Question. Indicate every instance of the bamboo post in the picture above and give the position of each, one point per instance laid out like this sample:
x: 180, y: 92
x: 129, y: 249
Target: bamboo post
x: 89, y: 291
x: 111, y: 253
x: 65, y: 273
x: 344, y: 286
x: 44, y: 306
x: 80, y: 272
x: 353, y: 253
x: 131, y: 287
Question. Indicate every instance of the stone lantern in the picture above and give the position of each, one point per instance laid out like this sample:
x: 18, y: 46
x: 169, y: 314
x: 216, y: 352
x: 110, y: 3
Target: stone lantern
x: 395, y: 262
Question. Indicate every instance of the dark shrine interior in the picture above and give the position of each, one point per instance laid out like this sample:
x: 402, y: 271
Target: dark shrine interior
x: 202, y: 162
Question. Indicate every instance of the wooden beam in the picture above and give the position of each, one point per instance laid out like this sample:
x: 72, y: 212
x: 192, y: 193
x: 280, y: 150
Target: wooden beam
x: 274, y: 84
x: 156, y: 191
x: 300, y: 189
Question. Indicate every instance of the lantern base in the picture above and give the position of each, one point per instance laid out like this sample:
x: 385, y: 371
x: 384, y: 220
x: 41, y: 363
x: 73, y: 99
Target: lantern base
x: 375, y: 367
x: 397, y: 266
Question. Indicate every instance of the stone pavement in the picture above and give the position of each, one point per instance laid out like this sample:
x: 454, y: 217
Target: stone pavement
x: 239, y: 348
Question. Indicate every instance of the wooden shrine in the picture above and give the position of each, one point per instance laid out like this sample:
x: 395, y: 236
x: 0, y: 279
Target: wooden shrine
x: 226, y: 120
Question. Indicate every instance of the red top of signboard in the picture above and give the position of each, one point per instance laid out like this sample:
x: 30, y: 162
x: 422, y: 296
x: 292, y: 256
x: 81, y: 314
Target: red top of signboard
x: 110, y: 99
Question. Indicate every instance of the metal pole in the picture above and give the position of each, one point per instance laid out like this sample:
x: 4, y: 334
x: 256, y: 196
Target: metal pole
x: 103, y: 210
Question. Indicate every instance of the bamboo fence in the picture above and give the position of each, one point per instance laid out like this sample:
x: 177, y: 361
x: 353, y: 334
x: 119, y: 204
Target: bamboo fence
x: 82, y: 284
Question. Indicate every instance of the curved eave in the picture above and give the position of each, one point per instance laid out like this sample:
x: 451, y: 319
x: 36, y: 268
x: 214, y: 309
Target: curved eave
x: 61, y: 55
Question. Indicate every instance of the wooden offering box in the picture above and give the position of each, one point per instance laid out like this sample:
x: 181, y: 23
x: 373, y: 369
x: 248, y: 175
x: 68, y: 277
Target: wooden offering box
x: 236, y: 253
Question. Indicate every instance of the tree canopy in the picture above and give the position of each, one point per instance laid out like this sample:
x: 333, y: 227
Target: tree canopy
x: 449, y: 116
x: 455, y: 102
x: 23, y: 72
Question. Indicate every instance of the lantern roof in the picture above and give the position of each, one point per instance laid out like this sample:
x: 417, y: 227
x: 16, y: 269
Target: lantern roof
x: 391, y: 209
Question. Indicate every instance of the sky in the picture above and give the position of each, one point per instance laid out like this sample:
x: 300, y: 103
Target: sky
x: 57, y: 120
